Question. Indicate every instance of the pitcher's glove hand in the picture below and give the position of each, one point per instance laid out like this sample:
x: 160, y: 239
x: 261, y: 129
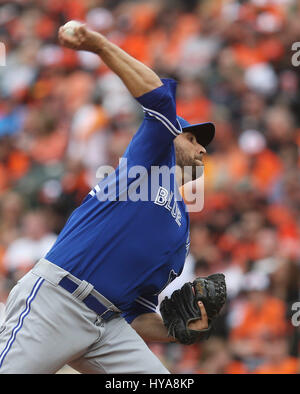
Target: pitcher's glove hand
x: 182, y: 308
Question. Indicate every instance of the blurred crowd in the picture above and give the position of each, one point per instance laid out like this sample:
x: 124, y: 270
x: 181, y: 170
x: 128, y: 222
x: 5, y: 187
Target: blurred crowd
x: 63, y: 114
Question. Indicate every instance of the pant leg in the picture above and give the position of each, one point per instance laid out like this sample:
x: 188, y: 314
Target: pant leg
x: 119, y: 351
x: 44, y: 328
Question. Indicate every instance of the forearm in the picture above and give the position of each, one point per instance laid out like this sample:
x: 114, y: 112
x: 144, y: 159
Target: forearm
x: 137, y: 77
x: 151, y: 328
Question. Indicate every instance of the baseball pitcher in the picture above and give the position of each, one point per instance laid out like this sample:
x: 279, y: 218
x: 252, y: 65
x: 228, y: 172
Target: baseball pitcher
x: 91, y: 301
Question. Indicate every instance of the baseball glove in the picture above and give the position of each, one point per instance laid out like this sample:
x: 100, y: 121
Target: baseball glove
x: 182, y: 307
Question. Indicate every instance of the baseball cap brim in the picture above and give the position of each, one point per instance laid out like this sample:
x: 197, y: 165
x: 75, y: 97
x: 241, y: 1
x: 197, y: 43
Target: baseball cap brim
x: 204, y: 132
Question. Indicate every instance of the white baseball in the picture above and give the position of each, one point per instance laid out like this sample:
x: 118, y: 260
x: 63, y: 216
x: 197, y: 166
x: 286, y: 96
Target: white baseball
x: 70, y: 26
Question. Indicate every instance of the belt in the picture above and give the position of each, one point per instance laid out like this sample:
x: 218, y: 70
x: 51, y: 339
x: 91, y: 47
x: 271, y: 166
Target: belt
x: 90, y: 301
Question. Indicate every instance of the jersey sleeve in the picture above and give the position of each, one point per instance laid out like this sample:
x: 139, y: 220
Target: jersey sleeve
x: 142, y: 304
x: 153, y: 140
x: 160, y: 104
x: 152, y: 144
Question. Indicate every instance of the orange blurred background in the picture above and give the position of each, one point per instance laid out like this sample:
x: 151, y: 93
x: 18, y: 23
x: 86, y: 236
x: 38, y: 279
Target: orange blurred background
x: 63, y: 114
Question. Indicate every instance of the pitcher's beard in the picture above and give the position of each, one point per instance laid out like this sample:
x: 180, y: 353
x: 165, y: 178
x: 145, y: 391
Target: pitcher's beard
x: 190, y: 168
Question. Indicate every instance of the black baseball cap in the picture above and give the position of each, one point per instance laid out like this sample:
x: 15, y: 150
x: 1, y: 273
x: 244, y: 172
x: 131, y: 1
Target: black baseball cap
x: 204, y: 132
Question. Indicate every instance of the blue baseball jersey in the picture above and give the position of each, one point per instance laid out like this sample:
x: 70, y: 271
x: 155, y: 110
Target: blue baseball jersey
x: 130, y: 236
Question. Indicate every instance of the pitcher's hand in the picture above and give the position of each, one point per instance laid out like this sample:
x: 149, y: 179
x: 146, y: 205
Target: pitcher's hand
x: 81, y: 39
x: 200, y: 324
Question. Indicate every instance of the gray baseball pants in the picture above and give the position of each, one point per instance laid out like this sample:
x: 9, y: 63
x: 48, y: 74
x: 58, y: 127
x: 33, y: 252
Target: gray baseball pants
x: 46, y: 327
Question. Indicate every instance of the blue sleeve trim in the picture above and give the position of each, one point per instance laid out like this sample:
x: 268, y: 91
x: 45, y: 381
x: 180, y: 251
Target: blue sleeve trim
x: 160, y: 104
x: 141, y: 305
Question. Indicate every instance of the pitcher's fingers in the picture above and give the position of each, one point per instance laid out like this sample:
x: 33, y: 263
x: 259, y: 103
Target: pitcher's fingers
x: 80, y: 33
x: 66, y: 38
x: 60, y: 35
x: 203, y: 313
x: 81, y: 30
